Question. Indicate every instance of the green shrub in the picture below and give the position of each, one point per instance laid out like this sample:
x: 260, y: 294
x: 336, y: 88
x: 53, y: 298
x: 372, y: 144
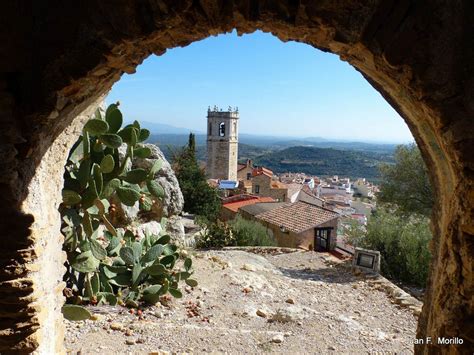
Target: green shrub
x: 250, y: 233
x: 216, y: 234
x: 403, y: 243
x: 102, y: 263
x: 239, y: 232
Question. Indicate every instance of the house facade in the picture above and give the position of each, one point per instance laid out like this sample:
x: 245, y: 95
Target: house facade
x: 230, y: 207
x: 302, y: 225
x: 244, y: 175
x: 264, y: 185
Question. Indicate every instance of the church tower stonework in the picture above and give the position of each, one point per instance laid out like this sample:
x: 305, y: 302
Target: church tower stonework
x: 222, y: 143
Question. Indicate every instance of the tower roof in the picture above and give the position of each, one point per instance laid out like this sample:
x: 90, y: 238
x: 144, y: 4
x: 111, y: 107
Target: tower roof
x: 218, y: 112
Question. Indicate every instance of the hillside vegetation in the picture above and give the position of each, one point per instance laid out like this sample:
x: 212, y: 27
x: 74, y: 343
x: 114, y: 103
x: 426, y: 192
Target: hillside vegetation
x: 307, y: 156
x: 325, y: 161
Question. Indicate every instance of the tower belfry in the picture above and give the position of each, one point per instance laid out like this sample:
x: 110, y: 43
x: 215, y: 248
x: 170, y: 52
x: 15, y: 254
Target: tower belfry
x: 222, y: 143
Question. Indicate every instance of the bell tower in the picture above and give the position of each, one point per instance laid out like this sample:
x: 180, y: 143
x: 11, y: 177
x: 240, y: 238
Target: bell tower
x: 222, y: 143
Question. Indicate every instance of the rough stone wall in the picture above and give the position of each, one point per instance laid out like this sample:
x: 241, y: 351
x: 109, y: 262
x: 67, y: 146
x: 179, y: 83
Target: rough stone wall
x: 58, y: 60
x: 222, y: 152
x: 242, y: 174
x: 263, y: 183
x: 265, y: 189
x: 218, y: 155
x: 303, y: 240
x: 279, y: 194
x: 42, y: 201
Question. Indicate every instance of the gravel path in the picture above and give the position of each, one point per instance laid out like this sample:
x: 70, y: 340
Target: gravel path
x: 297, y: 302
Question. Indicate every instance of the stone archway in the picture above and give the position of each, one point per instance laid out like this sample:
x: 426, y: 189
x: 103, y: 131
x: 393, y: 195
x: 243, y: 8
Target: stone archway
x: 57, y: 62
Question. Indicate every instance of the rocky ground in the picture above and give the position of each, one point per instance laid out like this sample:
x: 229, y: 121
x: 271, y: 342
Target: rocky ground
x: 299, y: 302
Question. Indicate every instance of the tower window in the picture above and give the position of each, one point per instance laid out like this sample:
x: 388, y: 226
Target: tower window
x: 222, y: 129
x: 210, y: 129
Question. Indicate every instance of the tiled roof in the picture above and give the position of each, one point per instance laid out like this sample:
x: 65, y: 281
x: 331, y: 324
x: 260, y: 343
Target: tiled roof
x: 261, y: 207
x: 306, y: 196
x: 236, y: 198
x: 234, y: 206
x: 262, y: 171
x: 297, y: 217
x: 294, y: 188
x: 248, y: 163
x: 278, y: 185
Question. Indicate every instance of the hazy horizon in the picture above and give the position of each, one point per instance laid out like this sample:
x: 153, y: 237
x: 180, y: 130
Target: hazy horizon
x: 186, y: 131
x: 287, y: 90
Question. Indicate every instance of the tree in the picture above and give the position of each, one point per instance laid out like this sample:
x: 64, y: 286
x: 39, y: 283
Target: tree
x: 199, y: 197
x: 405, y: 185
x: 402, y: 242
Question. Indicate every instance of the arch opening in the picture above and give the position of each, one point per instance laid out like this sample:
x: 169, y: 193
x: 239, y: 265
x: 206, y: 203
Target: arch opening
x: 398, y: 71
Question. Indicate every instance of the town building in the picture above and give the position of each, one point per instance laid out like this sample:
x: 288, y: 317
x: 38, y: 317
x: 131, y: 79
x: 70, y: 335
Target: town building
x: 363, y: 188
x: 230, y: 206
x: 309, y: 182
x: 301, y: 225
x: 222, y: 144
x: 263, y: 184
x: 294, y: 189
x: 307, y: 195
x: 244, y: 175
x: 227, y: 187
x: 251, y: 211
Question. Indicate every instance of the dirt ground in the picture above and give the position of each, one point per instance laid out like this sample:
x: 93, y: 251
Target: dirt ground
x: 292, y: 303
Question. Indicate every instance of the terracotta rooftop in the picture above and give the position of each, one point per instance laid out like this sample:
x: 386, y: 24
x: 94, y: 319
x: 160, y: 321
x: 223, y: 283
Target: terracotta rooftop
x: 278, y: 185
x: 234, y: 206
x: 236, y: 198
x: 241, y: 166
x: 262, y: 171
x: 261, y: 207
x: 297, y: 217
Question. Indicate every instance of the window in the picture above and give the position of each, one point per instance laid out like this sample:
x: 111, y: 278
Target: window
x: 210, y: 129
x: 257, y: 189
x: 222, y: 129
x: 249, y: 175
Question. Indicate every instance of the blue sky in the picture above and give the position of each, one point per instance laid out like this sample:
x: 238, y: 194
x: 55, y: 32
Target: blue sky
x: 283, y: 89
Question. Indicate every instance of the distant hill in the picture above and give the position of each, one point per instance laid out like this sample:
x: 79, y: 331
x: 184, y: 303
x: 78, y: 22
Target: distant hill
x: 308, y: 155
x: 325, y: 161
x: 246, y: 151
x: 274, y: 143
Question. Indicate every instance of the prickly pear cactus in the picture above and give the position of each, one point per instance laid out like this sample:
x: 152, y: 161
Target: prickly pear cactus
x: 104, y: 265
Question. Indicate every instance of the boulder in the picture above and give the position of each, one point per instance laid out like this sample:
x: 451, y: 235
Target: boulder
x: 171, y: 204
x: 173, y: 201
x: 175, y: 228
